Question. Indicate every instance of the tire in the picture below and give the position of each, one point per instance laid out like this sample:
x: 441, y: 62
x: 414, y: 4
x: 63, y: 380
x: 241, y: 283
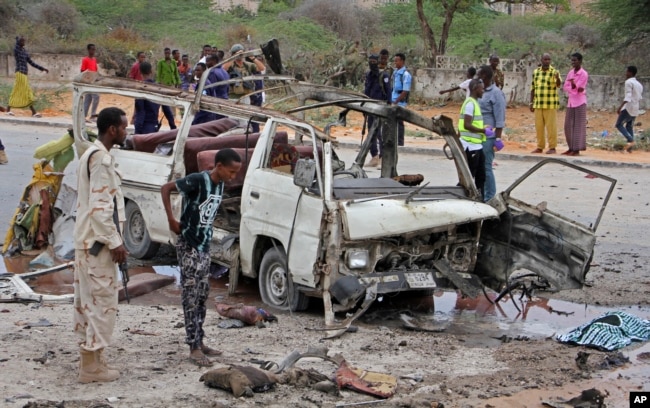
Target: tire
x: 276, y: 286
x: 136, y: 236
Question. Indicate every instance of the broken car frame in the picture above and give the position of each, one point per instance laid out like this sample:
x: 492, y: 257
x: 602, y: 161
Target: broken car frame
x: 314, y: 228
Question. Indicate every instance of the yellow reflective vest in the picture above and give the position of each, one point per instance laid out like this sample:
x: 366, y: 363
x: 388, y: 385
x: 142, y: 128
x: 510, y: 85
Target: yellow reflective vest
x: 477, y: 121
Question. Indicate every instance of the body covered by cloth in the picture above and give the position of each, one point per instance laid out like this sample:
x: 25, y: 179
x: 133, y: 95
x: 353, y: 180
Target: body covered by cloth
x: 611, y: 331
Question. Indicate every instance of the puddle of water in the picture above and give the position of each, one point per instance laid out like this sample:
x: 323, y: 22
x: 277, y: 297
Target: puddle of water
x: 247, y: 292
x: 55, y: 283
x: 536, y: 318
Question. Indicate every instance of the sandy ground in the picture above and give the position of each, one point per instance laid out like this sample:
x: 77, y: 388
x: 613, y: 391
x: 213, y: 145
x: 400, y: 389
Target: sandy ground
x: 469, y: 364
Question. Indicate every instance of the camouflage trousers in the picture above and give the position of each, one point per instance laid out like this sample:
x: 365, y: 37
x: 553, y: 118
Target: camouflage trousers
x: 95, y: 298
x: 195, y: 287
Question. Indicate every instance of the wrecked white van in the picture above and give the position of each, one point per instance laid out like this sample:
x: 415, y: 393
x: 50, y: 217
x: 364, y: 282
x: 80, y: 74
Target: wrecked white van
x: 306, y: 225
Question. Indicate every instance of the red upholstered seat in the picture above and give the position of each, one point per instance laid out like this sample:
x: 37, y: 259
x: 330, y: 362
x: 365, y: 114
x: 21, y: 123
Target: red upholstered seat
x: 148, y: 142
x: 205, y: 161
x: 307, y: 151
x: 238, y: 141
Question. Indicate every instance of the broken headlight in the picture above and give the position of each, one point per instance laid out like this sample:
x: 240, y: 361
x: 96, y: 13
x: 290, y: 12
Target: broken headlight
x: 357, y: 258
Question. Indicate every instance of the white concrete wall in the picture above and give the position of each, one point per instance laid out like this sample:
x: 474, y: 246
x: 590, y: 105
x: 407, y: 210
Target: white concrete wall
x: 603, y: 92
x: 62, y: 67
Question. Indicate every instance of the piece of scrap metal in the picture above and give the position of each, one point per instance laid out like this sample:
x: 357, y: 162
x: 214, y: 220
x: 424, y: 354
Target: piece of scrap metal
x: 14, y: 289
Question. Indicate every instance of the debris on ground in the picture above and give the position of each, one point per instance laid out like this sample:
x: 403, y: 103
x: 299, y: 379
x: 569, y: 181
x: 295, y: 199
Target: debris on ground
x: 591, y: 398
x: 248, y: 314
x: 45, y: 357
x: 613, y: 360
x: 240, y: 380
x: 142, y: 332
x: 367, y: 382
x: 31, y: 224
x: 364, y: 381
x: 415, y: 324
x: 39, y: 323
x: 44, y: 260
x: 231, y: 324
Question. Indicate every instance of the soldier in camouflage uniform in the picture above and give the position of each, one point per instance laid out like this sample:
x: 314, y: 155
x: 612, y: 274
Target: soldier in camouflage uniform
x: 98, y: 247
x: 240, y: 68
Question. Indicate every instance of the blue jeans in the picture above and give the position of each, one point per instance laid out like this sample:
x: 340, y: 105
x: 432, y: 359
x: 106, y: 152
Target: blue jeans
x: 625, y: 125
x: 490, y: 186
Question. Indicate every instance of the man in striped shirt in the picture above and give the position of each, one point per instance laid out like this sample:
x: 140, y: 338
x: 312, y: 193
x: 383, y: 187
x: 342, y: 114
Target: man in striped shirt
x: 544, y: 102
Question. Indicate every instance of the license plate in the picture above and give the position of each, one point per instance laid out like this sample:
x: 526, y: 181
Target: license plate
x: 420, y: 280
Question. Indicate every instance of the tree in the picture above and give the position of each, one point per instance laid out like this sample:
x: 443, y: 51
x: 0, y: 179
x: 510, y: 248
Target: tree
x: 451, y: 7
x: 625, y: 22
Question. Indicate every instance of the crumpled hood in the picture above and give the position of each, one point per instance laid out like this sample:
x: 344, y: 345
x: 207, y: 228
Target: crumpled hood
x: 387, y: 217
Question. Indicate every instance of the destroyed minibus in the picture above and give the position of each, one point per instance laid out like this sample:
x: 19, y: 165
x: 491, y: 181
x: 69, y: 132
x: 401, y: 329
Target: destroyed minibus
x: 305, y: 225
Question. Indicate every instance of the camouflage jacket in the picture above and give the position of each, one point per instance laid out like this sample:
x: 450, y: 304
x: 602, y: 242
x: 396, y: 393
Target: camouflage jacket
x: 98, y: 190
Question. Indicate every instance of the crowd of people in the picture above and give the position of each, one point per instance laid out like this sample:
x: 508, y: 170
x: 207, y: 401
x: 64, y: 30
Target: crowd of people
x: 482, y: 115
x: 175, y: 70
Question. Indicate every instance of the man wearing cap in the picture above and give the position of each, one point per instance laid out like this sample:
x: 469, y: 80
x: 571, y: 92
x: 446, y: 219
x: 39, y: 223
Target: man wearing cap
x: 377, y: 86
x: 240, y: 68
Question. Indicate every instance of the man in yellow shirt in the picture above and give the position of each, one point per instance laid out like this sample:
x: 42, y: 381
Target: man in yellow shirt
x: 544, y: 102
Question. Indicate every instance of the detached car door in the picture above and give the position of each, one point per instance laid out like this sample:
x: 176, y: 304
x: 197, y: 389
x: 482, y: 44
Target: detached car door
x: 553, y: 239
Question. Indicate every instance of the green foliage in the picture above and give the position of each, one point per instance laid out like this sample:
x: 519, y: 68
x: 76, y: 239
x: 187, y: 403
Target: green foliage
x: 308, y: 45
x: 624, y: 20
x: 626, y: 31
x: 616, y: 142
x: 301, y: 34
x: 399, y: 19
x: 273, y: 7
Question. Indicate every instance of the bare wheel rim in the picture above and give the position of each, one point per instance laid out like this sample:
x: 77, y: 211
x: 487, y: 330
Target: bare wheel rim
x: 136, y: 227
x: 277, y: 284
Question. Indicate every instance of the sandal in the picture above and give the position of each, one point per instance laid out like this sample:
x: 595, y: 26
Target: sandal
x: 210, y: 351
x: 200, y: 361
x: 37, y: 115
x: 10, y: 113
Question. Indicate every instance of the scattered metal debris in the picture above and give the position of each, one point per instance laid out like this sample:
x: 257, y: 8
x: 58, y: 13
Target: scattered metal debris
x: 142, y: 332
x: 45, y: 358
x: 14, y: 289
x: 39, y: 323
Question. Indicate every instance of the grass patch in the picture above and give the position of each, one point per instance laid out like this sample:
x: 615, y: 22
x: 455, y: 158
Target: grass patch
x: 616, y: 142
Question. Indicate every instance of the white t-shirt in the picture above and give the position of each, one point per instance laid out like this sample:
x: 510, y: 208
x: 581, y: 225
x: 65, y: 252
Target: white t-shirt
x: 633, y: 91
x: 469, y: 110
x: 465, y: 85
